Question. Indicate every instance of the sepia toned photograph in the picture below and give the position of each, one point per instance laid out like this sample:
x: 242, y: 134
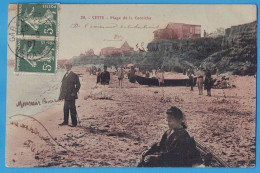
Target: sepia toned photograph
x: 145, y: 85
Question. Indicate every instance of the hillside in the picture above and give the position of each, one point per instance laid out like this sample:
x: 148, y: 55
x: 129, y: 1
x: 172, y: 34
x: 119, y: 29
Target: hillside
x: 233, y: 53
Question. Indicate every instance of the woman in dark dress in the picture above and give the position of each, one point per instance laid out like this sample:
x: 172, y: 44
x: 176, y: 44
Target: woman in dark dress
x: 176, y: 148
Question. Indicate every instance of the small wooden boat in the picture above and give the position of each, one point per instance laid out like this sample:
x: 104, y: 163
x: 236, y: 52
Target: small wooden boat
x: 210, y: 159
x: 167, y: 82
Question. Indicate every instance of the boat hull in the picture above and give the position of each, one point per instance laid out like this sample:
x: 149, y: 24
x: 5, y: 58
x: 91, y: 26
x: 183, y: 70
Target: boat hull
x: 167, y: 82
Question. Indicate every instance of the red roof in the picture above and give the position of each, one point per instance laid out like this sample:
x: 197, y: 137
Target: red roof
x: 126, y: 46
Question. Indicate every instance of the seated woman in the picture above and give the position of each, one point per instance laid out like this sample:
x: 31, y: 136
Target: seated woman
x: 176, y: 149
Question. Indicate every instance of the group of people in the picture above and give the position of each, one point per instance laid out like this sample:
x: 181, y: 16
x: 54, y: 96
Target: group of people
x: 176, y: 148
x: 71, y: 85
x: 207, y: 81
x: 103, y: 77
x: 121, y: 72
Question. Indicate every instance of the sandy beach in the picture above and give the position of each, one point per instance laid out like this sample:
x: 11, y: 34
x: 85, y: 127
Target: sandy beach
x: 113, y: 132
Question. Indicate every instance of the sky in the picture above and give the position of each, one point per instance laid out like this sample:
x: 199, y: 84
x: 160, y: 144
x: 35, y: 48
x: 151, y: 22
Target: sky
x: 77, y: 33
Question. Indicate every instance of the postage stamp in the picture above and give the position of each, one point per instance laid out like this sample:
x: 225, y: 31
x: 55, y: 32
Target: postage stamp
x: 32, y: 33
x: 35, y: 56
x: 37, y: 19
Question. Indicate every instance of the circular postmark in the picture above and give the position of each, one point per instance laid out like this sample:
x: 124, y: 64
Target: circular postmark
x: 34, y: 47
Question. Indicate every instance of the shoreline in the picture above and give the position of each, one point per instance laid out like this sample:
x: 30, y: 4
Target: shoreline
x: 29, y: 97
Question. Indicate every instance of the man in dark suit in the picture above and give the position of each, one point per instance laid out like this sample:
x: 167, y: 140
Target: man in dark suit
x: 105, y: 76
x: 68, y: 92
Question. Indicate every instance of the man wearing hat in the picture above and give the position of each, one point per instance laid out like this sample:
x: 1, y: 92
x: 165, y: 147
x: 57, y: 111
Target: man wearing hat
x: 105, y: 76
x: 68, y: 92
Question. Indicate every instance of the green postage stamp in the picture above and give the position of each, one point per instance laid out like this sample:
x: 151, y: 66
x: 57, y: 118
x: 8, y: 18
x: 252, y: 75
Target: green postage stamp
x: 36, y: 38
x: 35, y: 55
x: 37, y: 19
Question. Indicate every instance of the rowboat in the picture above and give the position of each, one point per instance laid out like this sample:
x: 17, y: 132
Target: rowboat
x: 210, y: 159
x: 167, y: 82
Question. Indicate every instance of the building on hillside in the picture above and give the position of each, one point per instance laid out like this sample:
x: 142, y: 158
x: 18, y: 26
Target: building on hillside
x: 110, y: 51
x: 178, y: 31
x: 125, y: 49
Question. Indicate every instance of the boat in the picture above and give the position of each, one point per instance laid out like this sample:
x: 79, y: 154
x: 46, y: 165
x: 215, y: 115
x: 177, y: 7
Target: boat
x: 210, y: 159
x: 167, y: 82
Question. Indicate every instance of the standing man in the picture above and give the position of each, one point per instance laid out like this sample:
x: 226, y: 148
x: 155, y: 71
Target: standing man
x: 160, y: 77
x: 200, y: 75
x: 132, y: 75
x: 147, y: 74
x: 105, y: 77
x: 190, y: 74
x: 208, y: 83
x: 200, y: 84
x: 99, y: 76
x: 120, y: 75
x: 68, y: 92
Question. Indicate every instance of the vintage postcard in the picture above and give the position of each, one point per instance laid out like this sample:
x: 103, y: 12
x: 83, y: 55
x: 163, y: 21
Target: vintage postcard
x: 131, y: 85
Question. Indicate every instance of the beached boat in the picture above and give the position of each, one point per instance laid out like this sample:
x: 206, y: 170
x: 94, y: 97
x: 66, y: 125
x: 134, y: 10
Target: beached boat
x: 167, y: 82
x: 210, y: 159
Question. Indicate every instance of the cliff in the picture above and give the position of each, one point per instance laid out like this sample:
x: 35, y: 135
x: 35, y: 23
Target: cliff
x: 233, y: 53
x: 177, y: 54
x: 238, y: 54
